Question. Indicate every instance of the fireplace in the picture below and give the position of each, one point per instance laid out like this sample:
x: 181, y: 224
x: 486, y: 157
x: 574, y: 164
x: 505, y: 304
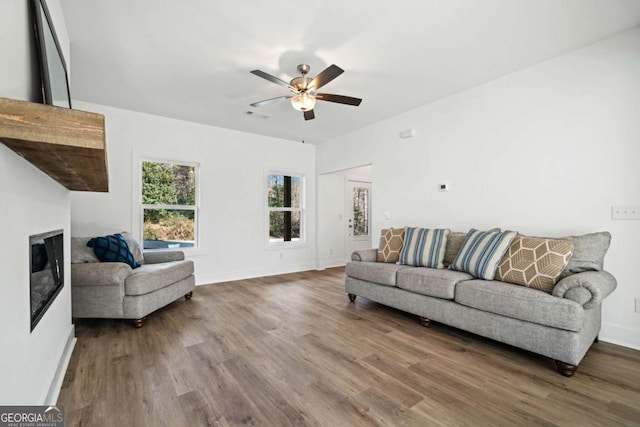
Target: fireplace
x: 46, y: 262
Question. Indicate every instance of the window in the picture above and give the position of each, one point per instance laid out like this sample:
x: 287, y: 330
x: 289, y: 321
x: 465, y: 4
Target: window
x: 169, y: 205
x: 360, y: 211
x: 285, y: 208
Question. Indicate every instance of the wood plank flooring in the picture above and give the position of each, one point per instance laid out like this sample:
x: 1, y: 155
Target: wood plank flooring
x: 291, y: 350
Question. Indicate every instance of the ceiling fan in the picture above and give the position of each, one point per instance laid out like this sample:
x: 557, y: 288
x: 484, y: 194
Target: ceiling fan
x: 304, y: 90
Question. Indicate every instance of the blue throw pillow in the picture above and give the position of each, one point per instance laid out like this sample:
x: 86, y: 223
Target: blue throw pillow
x: 112, y: 248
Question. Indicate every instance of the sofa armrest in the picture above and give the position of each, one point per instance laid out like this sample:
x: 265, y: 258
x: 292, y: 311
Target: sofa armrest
x: 99, y: 273
x: 165, y: 256
x: 598, y: 283
x: 365, y: 255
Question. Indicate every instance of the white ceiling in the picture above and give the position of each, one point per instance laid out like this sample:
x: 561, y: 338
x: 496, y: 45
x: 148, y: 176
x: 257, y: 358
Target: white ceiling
x: 190, y: 59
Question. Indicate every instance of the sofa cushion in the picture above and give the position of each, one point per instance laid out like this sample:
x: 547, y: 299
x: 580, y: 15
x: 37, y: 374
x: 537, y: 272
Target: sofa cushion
x: 375, y: 272
x: 589, y: 251
x: 522, y: 303
x: 151, y: 277
x: 423, y: 247
x: 481, y: 252
x: 534, y: 262
x: 112, y: 248
x: 433, y: 282
x: 390, y: 244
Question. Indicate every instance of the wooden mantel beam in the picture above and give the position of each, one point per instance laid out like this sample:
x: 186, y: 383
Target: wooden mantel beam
x: 68, y: 145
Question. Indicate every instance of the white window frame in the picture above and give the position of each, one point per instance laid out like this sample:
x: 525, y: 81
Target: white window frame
x: 195, y: 208
x: 302, y: 242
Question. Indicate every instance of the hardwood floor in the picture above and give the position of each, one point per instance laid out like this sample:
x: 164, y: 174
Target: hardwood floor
x: 292, y: 350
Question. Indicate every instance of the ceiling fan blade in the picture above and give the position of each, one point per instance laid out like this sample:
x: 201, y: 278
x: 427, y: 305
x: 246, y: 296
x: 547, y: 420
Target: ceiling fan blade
x: 328, y: 74
x: 273, y: 79
x: 340, y: 99
x: 309, y: 115
x: 269, y: 101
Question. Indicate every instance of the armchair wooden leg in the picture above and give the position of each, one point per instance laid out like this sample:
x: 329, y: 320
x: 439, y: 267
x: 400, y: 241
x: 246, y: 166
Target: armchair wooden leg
x: 138, y: 323
x: 566, y: 369
x: 352, y: 297
x: 425, y: 322
x: 188, y: 295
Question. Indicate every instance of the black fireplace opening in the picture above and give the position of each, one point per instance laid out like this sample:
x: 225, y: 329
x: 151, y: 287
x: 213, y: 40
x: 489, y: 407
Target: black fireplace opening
x: 46, y: 261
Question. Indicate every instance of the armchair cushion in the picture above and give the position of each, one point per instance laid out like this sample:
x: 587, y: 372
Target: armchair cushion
x: 80, y: 252
x: 164, y: 256
x: 151, y: 277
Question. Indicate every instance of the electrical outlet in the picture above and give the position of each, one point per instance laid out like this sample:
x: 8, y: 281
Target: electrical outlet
x: 625, y: 212
x: 637, y: 305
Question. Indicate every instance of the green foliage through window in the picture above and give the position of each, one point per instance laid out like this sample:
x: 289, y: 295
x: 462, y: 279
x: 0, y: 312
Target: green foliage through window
x: 169, y: 199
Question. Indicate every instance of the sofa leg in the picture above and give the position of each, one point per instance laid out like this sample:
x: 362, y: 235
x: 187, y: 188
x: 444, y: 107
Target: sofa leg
x: 597, y: 340
x: 352, y: 297
x: 188, y: 295
x: 566, y: 369
x: 425, y: 322
x: 138, y: 323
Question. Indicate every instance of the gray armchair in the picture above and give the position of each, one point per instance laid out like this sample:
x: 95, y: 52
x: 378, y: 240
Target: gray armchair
x: 116, y: 291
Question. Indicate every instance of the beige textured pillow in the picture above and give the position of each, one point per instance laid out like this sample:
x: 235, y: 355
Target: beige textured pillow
x: 534, y: 262
x: 391, y: 241
x: 454, y: 242
x: 80, y: 252
x: 134, y: 247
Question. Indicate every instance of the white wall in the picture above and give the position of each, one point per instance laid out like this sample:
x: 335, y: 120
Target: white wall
x: 232, y: 190
x: 32, y: 203
x: 546, y: 151
x: 332, y: 215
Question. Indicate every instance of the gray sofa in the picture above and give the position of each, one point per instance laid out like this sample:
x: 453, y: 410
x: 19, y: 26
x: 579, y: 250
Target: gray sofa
x: 561, y: 325
x: 114, y: 290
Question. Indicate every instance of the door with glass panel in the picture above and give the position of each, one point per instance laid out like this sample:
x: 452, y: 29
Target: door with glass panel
x: 358, y: 216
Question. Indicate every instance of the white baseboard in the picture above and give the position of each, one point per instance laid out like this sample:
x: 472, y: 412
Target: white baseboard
x: 620, y: 335
x: 331, y: 263
x: 63, y: 364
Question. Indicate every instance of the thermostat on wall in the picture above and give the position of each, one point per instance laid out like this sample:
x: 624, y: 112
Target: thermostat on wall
x: 443, y: 186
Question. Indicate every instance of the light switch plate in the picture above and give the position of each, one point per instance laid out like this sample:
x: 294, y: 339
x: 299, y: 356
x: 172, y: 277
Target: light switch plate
x: 637, y: 305
x: 625, y: 212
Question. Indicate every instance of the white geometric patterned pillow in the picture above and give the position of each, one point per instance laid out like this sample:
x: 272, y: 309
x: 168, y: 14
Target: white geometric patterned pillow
x: 481, y: 252
x: 423, y: 247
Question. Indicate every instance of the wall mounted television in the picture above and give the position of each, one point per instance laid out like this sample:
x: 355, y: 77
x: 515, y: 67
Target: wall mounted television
x: 53, y: 68
x: 46, y: 264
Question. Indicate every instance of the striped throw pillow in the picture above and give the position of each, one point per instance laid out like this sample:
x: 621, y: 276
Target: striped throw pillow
x: 481, y: 252
x: 423, y: 247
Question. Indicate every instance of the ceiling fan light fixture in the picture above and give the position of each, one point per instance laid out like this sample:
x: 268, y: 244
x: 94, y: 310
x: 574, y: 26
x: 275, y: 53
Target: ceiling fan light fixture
x: 303, y: 102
